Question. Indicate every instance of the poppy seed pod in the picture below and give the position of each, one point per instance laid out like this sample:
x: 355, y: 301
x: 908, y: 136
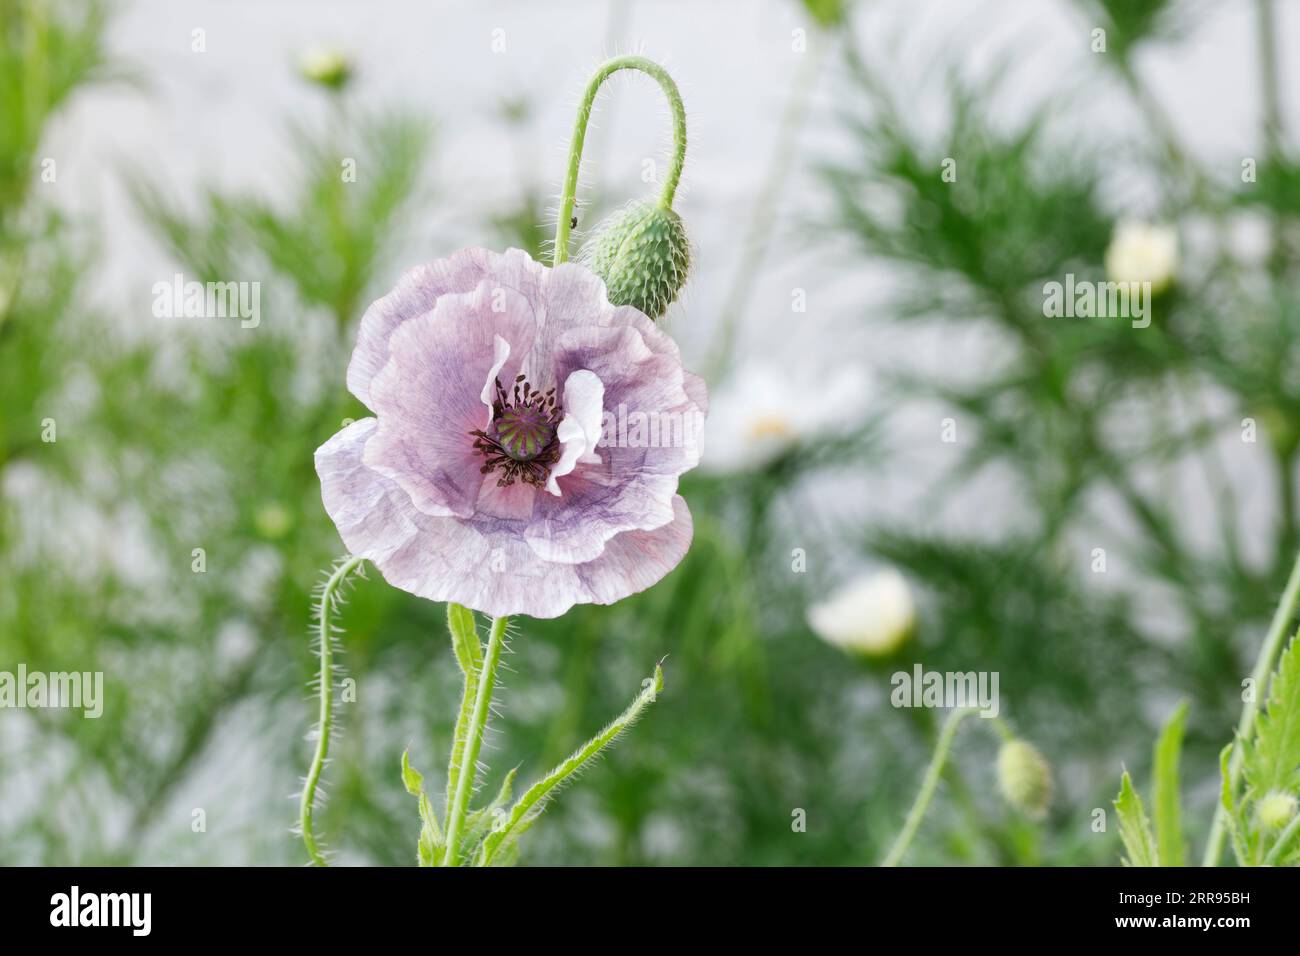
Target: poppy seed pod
x: 643, y: 255
x: 1024, y: 778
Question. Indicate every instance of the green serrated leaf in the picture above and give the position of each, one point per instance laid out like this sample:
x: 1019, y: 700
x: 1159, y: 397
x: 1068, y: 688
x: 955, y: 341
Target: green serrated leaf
x: 1225, y: 778
x: 478, y: 822
x: 1167, y: 801
x: 1134, y: 827
x: 1273, y: 756
x: 412, y: 779
x: 464, y: 638
x: 1230, y: 806
x: 430, y: 845
x: 533, y: 801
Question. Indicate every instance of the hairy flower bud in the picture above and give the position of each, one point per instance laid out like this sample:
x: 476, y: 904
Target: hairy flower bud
x: 1276, y: 809
x: 643, y: 255
x: 1024, y: 778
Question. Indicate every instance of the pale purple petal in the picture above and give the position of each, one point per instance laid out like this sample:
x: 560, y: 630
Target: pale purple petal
x: 375, y: 518
x: 482, y: 562
x: 579, y: 432
x: 428, y: 396
x: 636, y: 560
x: 418, y: 291
x: 500, y: 353
x: 632, y: 487
x: 441, y: 518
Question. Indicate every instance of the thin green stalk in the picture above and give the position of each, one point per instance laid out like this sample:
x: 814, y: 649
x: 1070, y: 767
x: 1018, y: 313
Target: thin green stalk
x: 1270, y: 92
x: 1288, y: 532
x: 469, y: 655
x: 1277, y: 632
x: 567, y: 198
x: 522, y: 812
x: 324, y: 611
x: 474, y: 739
x: 1283, y: 840
x: 928, y: 785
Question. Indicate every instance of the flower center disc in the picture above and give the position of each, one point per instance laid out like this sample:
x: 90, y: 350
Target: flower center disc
x: 522, y: 445
x: 524, y: 432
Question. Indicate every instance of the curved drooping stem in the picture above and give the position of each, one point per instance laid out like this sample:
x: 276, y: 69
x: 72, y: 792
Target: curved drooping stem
x: 324, y: 615
x: 567, y: 198
x: 487, y: 679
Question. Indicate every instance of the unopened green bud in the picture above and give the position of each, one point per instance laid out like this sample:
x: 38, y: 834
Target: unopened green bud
x: 643, y: 255
x: 827, y: 13
x: 327, y: 67
x: 1275, y: 809
x: 1024, y: 778
x: 273, y: 520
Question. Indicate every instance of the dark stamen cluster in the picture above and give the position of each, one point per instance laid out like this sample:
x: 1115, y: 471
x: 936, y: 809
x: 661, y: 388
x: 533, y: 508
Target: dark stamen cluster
x: 521, y: 442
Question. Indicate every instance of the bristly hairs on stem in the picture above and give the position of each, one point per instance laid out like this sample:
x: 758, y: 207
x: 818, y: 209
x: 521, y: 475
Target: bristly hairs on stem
x: 928, y: 785
x: 535, y: 798
x: 473, y: 740
x: 568, y: 195
x: 329, y: 599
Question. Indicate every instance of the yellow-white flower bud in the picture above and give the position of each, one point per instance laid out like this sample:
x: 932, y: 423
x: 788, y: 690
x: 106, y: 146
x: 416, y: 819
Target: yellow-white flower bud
x: 1141, y: 252
x: 872, y: 616
x: 328, y: 67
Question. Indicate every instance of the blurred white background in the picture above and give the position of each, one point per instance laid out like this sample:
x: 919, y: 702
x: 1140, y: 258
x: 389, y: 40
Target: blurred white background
x: 219, y: 117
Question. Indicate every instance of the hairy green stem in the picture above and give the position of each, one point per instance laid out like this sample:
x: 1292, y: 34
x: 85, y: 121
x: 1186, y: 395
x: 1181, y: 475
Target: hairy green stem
x: 1283, y: 841
x: 928, y: 785
x: 564, y: 224
x: 469, y: 655
x: 324, y: 611
x: 474, y: 739
x: 1268, y: 653
x: 521, y: 813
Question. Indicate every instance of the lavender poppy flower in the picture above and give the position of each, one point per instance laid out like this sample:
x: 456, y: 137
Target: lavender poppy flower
x: 499, y: 470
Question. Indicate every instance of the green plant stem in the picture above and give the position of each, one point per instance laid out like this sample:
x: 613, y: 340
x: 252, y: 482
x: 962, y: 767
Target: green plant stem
x: 1270, y: 93
x: 1277, y: 632
x: 1287, y: 533
x: 474, y: 739
x: 1283, y: 841
x: 306, y: 803
x: 928, y: 785
x: 530, y: 803
x: 469, y: 655
x: 567, y: 198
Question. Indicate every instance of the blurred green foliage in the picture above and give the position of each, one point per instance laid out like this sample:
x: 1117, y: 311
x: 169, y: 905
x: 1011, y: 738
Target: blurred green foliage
x: 201, y: 437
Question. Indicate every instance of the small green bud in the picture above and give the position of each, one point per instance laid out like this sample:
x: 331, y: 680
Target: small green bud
x: 827, y: 13
x: 1275, y: 809
x: 273, y: 520
x: 643, y: 255
x: 326, y: 67
x: 1024, y: 778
